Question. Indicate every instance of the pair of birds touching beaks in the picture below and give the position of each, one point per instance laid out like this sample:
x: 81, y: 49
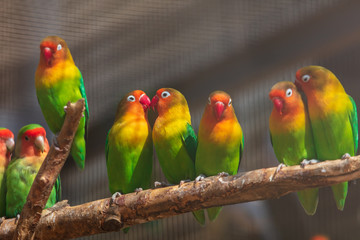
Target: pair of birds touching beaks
x: 321, y: 125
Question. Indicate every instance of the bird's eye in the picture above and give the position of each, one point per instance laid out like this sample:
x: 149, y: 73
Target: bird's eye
x: 305, y: 78
x: 229, y: 102
x: 288, y: 92
x: 59, y: 47
x: 26, y: 138
x: 131, y: 98
x: 209, y: 100
x: 165, y: 94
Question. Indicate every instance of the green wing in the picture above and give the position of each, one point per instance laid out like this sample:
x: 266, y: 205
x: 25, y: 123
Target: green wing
x: 58, y: 189
x: 83, y: 94
x: 354, y: 123
x: 190, y: 141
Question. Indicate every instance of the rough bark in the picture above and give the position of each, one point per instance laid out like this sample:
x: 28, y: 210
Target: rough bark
x: 135, y: 208
x: 48, y: 172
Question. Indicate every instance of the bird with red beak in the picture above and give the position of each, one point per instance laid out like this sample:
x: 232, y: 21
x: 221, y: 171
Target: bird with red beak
x: 220, y: 141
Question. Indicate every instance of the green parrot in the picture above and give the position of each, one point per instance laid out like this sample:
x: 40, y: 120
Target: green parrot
x: 174, y: 139
x: 58, y: 81
x: 291, y: 135
x: 220, y: 141
x: 333, y: 118
x: 129, y: 148
x: 30, y: 152
x: 6, y: 147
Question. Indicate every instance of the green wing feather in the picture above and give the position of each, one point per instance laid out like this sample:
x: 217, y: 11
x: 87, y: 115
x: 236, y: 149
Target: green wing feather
x: 190, y: 141
x: 83, y: 94
x: 354, y: 123
x: 58, y: 189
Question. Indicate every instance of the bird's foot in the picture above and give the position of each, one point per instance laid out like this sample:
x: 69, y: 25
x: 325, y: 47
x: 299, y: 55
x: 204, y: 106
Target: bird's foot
x: 137, y: 190
x: 158, y: 184
x: 184, y: 181
x: 2, y: 220
x: 308, y: 162
x: 223, y: 174
x: 345, y: 156
x: 17, y: 218
x: 200, y: 178
x: 114, y: 196
x: 65, y: 108
x: 55, y: 141
x: 279, y: 167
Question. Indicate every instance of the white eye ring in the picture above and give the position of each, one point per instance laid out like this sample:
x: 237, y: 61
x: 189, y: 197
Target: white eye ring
x: 288, y: 92
x: 305, y: 78
x: 209, y: 100
x: 229, y: 102
x: 131, y: 98
x: 165, y: 94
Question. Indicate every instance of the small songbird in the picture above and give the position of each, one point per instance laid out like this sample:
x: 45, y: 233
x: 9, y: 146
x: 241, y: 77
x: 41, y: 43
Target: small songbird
x: 129, y: 148
x: 333, y: 118
x: 7, y: 145
x: 291, y: 135
x: 30, y: 152
x: 58, y: 81
x: 220, y: 141
x: 174, y: 139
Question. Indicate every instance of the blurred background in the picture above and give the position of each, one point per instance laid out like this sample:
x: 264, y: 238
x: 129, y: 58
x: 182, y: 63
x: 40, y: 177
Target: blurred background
x: 239, y: 46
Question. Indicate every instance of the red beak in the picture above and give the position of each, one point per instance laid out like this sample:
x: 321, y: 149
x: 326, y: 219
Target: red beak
x: 145, y: 101
x: 278, y: 104
x: 154, y: 102
x: 219, y: 109
x: 47, y: 54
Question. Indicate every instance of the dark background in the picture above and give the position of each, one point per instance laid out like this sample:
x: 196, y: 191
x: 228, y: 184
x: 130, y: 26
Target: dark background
x: 196, y: 46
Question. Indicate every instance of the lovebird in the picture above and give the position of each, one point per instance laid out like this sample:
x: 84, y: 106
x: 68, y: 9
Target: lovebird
x: 220, y: 141
x: 291, y: 135
x: 129, y: 148
x: 174, y: 138
x: 30, y: 152
x: 7, y: 145
x: 58, y: 81
x: 333, y: 118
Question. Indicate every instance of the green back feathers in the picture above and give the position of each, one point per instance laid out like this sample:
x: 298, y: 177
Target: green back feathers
x: 354, y: 123
x: 190, y: 141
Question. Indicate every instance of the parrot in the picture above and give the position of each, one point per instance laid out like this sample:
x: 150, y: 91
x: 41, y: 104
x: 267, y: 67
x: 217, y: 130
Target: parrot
x: 30, y: 152
x: 174, y: 139
x: 291, y: 135
x: 129, y: 148
x: 58, y: 81
x: 220, y: 141
x: 7, y: 145
x: 333, y: 118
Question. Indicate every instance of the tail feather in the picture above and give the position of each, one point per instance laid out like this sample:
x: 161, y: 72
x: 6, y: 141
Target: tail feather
x: 309, y: 200
x: 78, y: 149
x: 199, y: 216
x: 340, y: 191
x: 213, y: 213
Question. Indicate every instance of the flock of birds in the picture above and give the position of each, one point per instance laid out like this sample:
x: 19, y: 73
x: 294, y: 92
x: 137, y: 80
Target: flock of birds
x: 312, y: 120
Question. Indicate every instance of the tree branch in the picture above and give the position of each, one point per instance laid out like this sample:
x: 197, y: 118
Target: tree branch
x: 135, y: 208
x: 48, y: 173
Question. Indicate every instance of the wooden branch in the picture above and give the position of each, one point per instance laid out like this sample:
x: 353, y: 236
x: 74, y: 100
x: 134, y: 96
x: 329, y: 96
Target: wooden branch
x: 135, y: 208
x: 48, y: 173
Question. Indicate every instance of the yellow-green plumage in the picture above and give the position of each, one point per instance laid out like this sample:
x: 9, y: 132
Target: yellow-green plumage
x: 174, y: 139
x: 22, y: 170
x: 129, y: 148
x: 291, y: 135
x: 220, y: 141
x: 333, y: 118
x: 58, y: 81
